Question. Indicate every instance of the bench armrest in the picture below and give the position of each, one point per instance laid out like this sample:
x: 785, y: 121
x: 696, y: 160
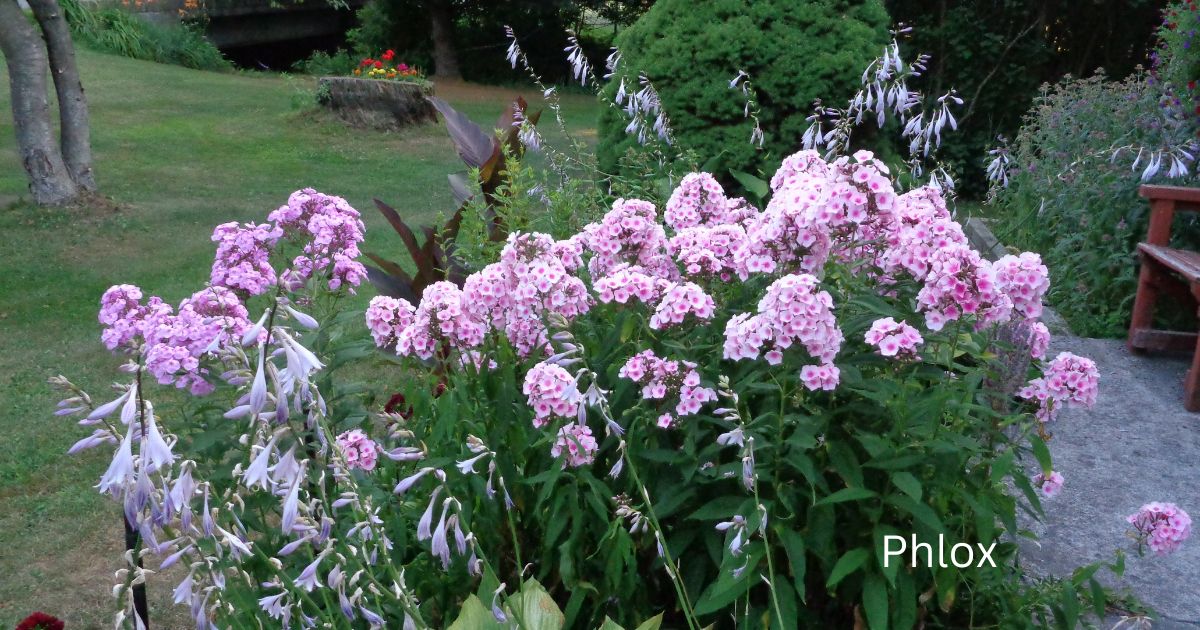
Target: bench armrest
x: 1164, y: 202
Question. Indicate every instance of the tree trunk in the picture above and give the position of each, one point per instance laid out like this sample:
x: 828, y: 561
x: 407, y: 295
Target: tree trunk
x: 445, y: 58
x: 72, y: 105
x: 49, y: 180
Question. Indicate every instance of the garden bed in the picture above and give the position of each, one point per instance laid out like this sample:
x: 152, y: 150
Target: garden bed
x: 377, y: 104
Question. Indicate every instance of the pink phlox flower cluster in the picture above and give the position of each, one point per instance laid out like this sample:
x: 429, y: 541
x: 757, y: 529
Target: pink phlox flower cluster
x: 1025, y: 280
x: 629, y: 233
x: 662, y: 378
x: 718, y: 251
x: 680, y: 300
x: 386, y: 318
x: 122, y: 312
x: 960, y: 283
x: 1039, y: 340
x: 629, y: 281
x: 533, y: 278
x: 575, y: 441
x: 243, y: 256
x: 209, y: 319
x: 894, y: 339
x: 825, y: 376
x: 443, y: 317
x: 798, y: 166
x: 1050, y: 484
x: 794, y: 309
x: 1161, y: 526
x: 333, y: 229
x: 1069, y: 380
x: 359, y: 450
x: 551, y: 391
x: 173, y: 342
x: 698, y: 200
x: 786, y: 236
x: 922, y: 227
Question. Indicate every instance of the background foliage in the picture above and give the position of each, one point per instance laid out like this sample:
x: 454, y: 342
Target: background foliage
x: 113, y: 30
x: 1072, y: 201
x: 795, y: 52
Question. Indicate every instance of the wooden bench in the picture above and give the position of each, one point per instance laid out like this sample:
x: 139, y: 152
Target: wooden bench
x: 1169, y: 273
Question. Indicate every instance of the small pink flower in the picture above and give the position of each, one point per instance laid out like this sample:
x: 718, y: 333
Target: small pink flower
x: 359, y: 450
x: 575, y: 441
x: 1050, y: 485
x: 1161, y: 526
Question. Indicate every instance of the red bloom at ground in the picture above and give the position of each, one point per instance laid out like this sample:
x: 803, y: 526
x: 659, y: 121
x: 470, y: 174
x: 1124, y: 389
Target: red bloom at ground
x: 41, y: 621
x: 402, y: 67
x: 388, y: 55
x: 1191, y: 85
x: 396, y: 404
x: 378, y: 64
x: 366, y: 62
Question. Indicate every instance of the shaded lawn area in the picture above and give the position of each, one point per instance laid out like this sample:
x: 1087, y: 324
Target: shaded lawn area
x: 180, y: 151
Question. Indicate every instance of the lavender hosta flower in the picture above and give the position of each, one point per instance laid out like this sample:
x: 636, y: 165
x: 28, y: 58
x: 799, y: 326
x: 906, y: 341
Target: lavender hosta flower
x: 303, y: 319
x: 258, y: 391
x: 275, y: 606
x: 291, y: 506
x: 425, y: 524
x: 170, y: 560
x: 438, y: 544
x: 257, y: 474
x: 308, y: 578
x: 121, y: 470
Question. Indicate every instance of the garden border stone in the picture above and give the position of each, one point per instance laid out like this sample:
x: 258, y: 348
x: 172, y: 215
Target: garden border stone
x: 377, y: 103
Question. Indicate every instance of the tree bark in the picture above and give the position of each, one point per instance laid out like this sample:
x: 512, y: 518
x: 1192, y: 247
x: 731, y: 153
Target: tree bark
x: 72, y: 105
x: 445, y: 57
x: 49, y: 180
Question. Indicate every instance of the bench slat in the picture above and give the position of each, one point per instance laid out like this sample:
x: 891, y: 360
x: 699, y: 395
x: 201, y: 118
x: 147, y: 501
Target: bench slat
x: 1181, y: 261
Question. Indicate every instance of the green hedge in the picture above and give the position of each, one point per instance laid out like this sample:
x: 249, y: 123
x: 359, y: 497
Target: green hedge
x: 795, y: 51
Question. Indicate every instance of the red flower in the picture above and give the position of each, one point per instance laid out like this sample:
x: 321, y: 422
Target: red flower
x: 402, y: 67
x: 378, y: 64
x: 1191, y: 85
x: 388, y: 55
x: 41, y: 621
x: 366, y: 62
x: 397, y: 402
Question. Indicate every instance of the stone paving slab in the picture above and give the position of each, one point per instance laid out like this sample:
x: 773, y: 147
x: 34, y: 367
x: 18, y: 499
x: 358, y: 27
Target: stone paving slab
x: 1136, y: 446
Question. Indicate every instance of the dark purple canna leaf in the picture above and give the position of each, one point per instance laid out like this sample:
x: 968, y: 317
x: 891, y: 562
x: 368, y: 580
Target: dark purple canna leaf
x: 474, y: 145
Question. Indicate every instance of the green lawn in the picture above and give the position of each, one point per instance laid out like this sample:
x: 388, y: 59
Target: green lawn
x: 180, y: 151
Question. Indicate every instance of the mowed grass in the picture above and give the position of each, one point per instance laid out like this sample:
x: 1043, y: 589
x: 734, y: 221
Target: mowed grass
x: 180, y: 151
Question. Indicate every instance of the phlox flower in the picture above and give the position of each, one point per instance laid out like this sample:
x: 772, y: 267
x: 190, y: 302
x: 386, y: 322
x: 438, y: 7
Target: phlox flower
x: 960, y: 283
x: 1161, y: 526
x: 629, y: 233
x: 1025, y: 280
x: 575, y: 441
x: 332, y: 230
x: 662, y: 379
x: 1039, y: 340
x: 551, y: 391
x: 359, y: 450
x: 719, y: 251
x: 894, y: 339
x: 678, y: 302
x: 1050, y: 484
x: 1067, y: 381
x: 825, y: 376
x: 697, y: 200
x: 792, y: 310
x: 443, y: 317
x: 242, y: 258
x: 625, y: 282
x: 386, y: 318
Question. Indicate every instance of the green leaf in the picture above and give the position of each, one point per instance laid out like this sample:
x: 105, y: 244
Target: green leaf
x: 919, y: 511
x: 847, y: 564
x: 907, y: 484
x: 474, y: 615
x: 722, y: 507
x: 609, y: 624
x: 846, y: 494
x: 875, y: 601
x: 793, y: 544
x: 1041, y: 452
x: 653, y: 623
x: 726, y: 587
x: 537, y: 609
x: 754, y: 185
